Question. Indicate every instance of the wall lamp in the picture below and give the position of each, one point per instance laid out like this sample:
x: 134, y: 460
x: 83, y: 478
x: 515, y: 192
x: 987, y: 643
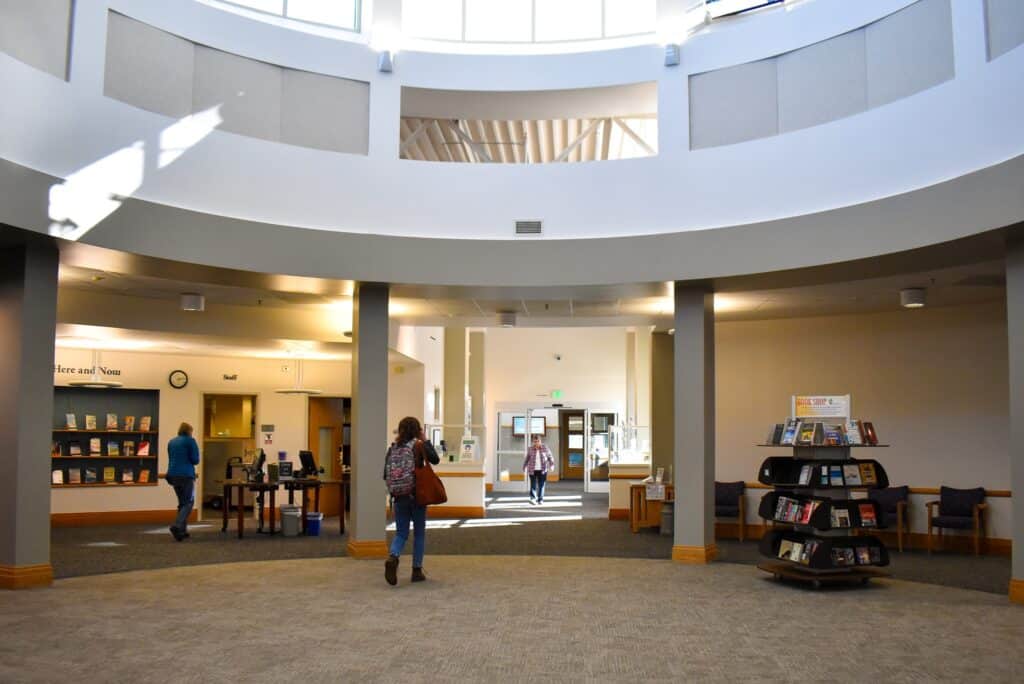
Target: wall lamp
x: 385, y: 62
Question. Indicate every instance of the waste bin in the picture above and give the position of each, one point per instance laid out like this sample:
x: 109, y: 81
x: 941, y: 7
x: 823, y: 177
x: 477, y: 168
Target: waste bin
x: 291, y: 520
x: 313, y: 521
x: 666, y: 519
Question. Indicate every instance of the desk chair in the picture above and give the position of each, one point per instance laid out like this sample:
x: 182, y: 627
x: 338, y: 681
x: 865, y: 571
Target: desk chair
x: 892, y: 504
x: 959, y: 509
x: 729, y: 503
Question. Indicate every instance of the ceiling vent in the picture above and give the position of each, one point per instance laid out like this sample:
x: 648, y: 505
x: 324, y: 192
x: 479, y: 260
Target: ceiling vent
x: 528, y: 227
x: 507, y: 319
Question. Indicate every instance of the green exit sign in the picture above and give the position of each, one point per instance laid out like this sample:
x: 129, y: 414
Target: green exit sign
x: 556, y: 394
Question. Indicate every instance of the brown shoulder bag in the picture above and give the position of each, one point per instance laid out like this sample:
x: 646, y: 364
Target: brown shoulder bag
x: 429, y: 488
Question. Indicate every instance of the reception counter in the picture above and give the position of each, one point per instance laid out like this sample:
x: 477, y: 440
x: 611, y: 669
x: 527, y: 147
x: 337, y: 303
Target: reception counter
x: 464, y: 483
x: 620, y: 475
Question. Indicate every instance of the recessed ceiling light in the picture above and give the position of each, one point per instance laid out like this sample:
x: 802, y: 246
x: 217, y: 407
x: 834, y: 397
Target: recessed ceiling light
x: 912, y: 297
x: 192, y: 301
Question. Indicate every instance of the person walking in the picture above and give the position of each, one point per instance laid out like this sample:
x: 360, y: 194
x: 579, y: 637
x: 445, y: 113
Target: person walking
x: 183, y: 457
x: 537, y: 464
x: 404, y: 455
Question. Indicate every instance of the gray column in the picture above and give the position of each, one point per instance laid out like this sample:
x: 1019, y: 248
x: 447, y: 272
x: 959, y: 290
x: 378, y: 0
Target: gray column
x: 662, y: 404
x: 476, y: 386
x: 694, y: 475
x: 28, y: 313
x: 1015, y: 331
x: 454, y: 385
x: 370, y: 431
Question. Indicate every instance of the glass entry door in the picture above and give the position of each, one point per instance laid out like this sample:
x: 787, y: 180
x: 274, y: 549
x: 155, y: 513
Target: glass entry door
x: 512, y: 429
x: 601, y: 444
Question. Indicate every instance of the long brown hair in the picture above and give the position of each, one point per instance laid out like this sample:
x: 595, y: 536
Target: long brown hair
x: 408, y: 428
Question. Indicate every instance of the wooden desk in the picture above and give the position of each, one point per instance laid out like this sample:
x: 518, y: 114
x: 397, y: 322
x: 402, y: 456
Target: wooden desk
x: 644, y: 513
x: 241, y: 486
x: 290, y: 485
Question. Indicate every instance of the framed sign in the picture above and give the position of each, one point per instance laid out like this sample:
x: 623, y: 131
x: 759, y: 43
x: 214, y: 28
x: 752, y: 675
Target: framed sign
x: 821, y: 406
x: 538, y: 425
x: 518, y: 426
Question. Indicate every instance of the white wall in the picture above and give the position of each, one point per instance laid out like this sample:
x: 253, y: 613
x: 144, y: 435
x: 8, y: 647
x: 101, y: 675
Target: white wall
x: 426, y: 345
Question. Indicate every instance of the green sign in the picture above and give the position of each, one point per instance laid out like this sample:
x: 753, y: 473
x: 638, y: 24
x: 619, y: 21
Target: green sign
x: 556, y: 394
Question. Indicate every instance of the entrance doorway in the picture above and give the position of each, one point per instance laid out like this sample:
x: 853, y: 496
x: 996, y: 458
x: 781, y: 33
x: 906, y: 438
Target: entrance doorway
x: 572, y: 449
x: 330, y: 427
x: 228, y: 436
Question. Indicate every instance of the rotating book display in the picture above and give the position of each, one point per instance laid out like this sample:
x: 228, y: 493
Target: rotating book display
x: 817, y: 531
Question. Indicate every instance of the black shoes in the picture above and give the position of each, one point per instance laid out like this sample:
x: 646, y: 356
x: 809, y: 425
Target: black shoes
x: 391, y: 570
x: 178, y: 534
x: 417, y: 575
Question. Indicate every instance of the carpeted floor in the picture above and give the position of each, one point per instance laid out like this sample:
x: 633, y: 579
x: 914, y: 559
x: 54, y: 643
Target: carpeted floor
x: 500, y: 618
x: 569, y: 524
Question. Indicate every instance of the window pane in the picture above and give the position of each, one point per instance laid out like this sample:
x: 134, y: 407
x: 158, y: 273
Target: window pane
x: 438, y: 19
x: 331, y: 12
x: 626, y: 17
x: 568, y: 19
x: 498, y: 20
x: 272, y: 6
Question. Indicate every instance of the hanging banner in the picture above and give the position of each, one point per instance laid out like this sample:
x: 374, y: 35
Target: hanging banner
x: 821, y: 406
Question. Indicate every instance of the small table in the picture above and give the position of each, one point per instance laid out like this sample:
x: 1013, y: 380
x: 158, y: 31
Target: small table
x: 241, y: 486
x: 644, y: 513
x: 290, y: 485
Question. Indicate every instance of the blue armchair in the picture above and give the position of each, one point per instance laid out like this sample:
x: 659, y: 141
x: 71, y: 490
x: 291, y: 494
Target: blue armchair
x: 729, y: 503
x: 959, y: 509
x: 892, y: 504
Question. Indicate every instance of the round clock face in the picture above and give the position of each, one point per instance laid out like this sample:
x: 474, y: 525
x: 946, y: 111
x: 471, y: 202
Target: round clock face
x: 178, y: 379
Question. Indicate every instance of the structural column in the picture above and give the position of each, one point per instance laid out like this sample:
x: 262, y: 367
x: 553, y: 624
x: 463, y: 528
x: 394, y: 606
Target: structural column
x: 663, y: 403
x: 1015, y: 330
x: 454, y: 386
x: 369, y: 420
x: 28, y: 315
x: 694, y: 409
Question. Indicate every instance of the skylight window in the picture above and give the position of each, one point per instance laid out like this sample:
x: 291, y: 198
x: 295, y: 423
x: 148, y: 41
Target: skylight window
x: 343, y: 14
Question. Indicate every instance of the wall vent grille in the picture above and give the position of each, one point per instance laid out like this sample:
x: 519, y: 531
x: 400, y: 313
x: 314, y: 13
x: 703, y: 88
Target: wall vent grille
x: 528, y: 227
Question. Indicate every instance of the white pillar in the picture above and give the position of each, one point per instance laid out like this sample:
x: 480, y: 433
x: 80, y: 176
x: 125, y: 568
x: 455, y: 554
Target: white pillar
x: 1015, y: 331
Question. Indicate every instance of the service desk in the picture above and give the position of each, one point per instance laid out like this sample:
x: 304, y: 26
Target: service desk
x: 291, y: 486
x: 620, y: 477
x: 644, y: 513
x: 464, y: 484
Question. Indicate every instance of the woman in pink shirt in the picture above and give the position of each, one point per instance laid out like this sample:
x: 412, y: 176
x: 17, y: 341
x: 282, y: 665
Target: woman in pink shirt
x: 537, y: 464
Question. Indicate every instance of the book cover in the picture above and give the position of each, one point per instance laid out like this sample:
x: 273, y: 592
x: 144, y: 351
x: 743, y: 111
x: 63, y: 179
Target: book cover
x: 74, y: 475
x: 789, y: 434
x: 144, y: 475
x: 128, y: 447
x: 808, y: 553
x: 806, y: 511
x: 867, y: 515
x: 835, y: 475
x: 805, y: 474
x: 851, y: 473
x: 55, y: 449
x: 69, y: 421
x: 840, y: 517
x: 853, y: 435
x: 57, y: 477
x: 144, y: 423
x: 113, y: 448
x: 109, y: 474
x: 797, y: 551
x: 870, y: 436
x: 90, y: 475
x: 848, y: 556
x: 875, y: 553
x: 834, y: 434
x: 823, y: 480
x: 90, y: 422
x: 777, y: 433
x: 786, y: 550
x: 94, y: 446
x: 111, y: 421
x: 143, y: 449
x: 127, y: 475
x: 867, y: 474
x: 863, y: 557
x: 819, y: 434
x: 806, y: 434
x: 74, y: 449
x: 129, y: 423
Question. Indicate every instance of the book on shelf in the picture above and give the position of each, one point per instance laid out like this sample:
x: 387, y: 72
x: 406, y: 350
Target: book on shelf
x: 789, y: 433
x: 109, y: 474
x: 74, y: 475
x: 867, y: 474
x: 840, y: 517
x: 70, y: 423
x: 786, y: 550
x: 90, y: 422
x: 111, y: 421
x: 843, y: 556
x: 823, y: 479
x: 128, y: 448
x: 90, y: 475
x: 835, y: 476
x: 867, y: 515
x: 144, y: 475
x: 851, y: 473
x: 57, y: 477
x: 94, y: 446
x: 806, y: 511
x: 143, y: 449
x: 835, y: 435
x: 775, y: 433
x: 54, y: 449
x: 854, y: 436
x: 74, y: 449
x: 129, y: 423
x: 810, y: 546
x: 113, y: 448
x: 787, y: 509
x: 145, y: 423
x: 870, y: 436
x: 805, y: 474
x: 796, y: 551
x: 806, y: 435
x: 863, y: 557
x: 127, y: 475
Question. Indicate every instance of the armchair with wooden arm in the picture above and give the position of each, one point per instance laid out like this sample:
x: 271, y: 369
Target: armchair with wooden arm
x: 958, y: 509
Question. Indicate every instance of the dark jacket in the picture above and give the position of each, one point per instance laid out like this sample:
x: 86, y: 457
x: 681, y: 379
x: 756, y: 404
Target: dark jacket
x: 182, y: 456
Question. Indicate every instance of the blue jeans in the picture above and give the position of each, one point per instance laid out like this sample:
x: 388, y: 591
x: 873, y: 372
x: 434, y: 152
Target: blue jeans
x: 184, y: 487
x: 538, y: 479
x: 406, y: 509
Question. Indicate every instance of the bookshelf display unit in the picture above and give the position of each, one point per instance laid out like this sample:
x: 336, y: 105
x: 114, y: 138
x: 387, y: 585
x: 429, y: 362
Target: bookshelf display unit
x: 91, y: 455
x: 817, y: 532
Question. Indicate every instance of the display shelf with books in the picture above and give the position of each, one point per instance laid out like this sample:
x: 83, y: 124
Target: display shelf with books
x: 108, y: 450
x: 818, y: 510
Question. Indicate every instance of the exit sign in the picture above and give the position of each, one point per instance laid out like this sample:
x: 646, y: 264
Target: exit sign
x: 556, y: 394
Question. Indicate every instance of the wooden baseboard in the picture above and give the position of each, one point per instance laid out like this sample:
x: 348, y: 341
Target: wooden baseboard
x: 1017, y: 591
x: 455, y: 511
x: 694, y: 555
x: 376, y: 548
x: 489, y: 487
x: 618, y: 514
x: 731, y: 530
x: 117, y: 518
x: 26, y: 576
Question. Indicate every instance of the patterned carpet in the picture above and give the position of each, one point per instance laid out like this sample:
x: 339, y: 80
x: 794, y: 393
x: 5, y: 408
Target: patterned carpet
x: 500, y: 618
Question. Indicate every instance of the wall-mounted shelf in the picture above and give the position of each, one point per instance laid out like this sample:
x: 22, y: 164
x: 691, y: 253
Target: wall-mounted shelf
x: 105, y: 484
x: 102, y: 458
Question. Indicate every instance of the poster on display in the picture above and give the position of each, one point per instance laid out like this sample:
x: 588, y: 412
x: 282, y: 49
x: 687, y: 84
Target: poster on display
x: 467, y: 454
x: 821, y: 406
x: 655, y: 491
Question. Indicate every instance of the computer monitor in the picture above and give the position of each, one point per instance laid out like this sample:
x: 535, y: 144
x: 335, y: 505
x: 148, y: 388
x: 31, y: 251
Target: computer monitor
x: 308, y: 463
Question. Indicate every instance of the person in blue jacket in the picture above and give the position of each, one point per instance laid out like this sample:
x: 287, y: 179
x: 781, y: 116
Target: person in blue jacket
x: 183, y: 457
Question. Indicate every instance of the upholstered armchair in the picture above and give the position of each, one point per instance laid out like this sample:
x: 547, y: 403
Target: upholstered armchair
x: 892, y: 505
x: 959, y: 509
x: 729, y: 503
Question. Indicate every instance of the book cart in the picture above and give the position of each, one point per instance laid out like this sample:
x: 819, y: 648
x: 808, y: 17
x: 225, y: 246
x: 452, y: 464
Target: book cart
x: 816, y: 532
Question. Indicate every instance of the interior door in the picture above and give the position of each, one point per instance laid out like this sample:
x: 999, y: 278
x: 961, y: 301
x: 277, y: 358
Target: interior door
x: 601, y: 441
x: 572, y: 449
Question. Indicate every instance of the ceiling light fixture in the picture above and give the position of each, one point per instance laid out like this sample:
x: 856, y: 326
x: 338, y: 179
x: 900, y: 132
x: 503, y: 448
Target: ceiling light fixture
x: 912, y: 297
x: 192, y: 301
x: 507, y: 319
x: 95, y: 381
x: 672, y: 54
x: 298, y: 388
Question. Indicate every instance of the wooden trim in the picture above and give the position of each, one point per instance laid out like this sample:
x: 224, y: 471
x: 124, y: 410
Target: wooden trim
x: 69, y: 485
x: 757, y: 485
x: 517, y: 477
x: 731, y: 530
x: 370, y: 549
x: 456, y: 473
x: 618, y: 514
x: 26, y: 576
x: 443, y: 511
x: 627, y: 476
x: 929, y: 491
x: 117, y: 518
x: 1017, y: 591
x: 694, y: 555
x: 489, y: 487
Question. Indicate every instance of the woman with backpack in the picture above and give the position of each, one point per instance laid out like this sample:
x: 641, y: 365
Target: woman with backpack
x: 404, y: 455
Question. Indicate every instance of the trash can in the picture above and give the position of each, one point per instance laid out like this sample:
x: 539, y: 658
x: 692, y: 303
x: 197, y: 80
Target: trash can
x: 291, y: 520
x: 313, y: 521
x: 666, y: 519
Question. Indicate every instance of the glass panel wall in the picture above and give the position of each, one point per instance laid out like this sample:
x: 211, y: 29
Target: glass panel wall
x: 343, y: 14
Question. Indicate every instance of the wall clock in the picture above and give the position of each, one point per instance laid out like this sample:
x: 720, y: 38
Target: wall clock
x: 178, y: 379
